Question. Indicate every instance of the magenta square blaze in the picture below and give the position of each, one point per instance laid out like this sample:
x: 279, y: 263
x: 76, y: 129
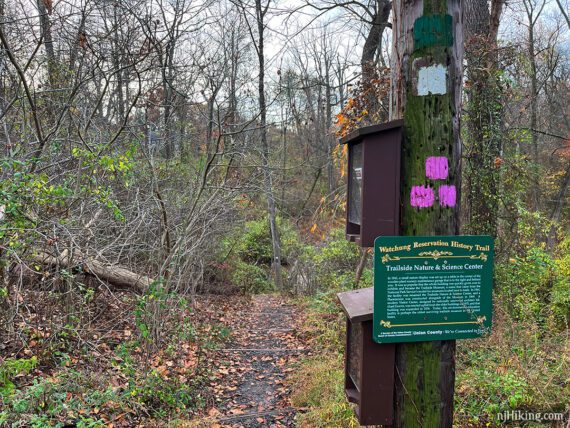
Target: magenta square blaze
x: 447, y: 196
x: 422, y: 196
x: 437, y: 168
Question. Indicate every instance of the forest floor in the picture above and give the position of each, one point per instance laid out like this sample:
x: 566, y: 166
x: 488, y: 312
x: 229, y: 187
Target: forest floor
x: 249, y: 381
x: 231, y: 358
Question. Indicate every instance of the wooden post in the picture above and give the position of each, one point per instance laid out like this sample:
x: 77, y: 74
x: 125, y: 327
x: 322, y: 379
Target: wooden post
x: 426, y: 93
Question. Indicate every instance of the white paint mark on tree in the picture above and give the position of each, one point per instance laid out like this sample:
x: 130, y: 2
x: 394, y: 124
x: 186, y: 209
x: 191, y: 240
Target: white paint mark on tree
x: 432, y: 80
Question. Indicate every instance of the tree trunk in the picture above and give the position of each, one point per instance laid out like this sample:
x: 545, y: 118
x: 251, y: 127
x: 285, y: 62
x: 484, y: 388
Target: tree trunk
x: 116, y: 275
x: 3, y: 66
x: 495, y: 19
x: 167, y: 80
x: 117, y: 64
x: 267, y: 179
x: 361, y: 266
x: 558, y: 203
x: 484, y: 107
x: 425, y: 371
x: 45, y: 27
x: 374, y: 39
x: 534, y: 116
x: 284, y: 158
x: 328, y: 125
x: 368, y: 58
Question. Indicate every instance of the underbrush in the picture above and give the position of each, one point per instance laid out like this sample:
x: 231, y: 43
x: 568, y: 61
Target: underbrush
x: 514, y: 368
x: 523, y: 365
x: 246, y: 255
x: 245, y: 260
x: 321, y: 390
x: 112, y: 370
x: 518, y: 367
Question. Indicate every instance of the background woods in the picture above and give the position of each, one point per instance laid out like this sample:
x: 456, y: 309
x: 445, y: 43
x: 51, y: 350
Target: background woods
x: 155, y: 152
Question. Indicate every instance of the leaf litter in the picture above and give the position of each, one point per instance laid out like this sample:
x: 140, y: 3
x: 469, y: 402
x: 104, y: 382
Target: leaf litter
x: 249, y: 381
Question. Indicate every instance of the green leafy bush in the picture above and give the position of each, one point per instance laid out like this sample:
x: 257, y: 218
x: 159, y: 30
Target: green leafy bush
x: 247, y: 255
x: 502, y: 391
x: 329, y: 266
x: 163, y: 395
x: 335, y: 264
x: 254, y: 244
x: 127, y: 383
x: 12, y: 367
x: 526, y: 281
x: 72, y: 396
x: 518, y: 367
x: 251, y: 278
x: 536, y: 286
x: 338, y: 255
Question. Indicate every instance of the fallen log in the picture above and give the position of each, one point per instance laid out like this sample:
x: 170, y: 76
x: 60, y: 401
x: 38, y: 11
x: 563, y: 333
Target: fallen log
x: 113, y: 274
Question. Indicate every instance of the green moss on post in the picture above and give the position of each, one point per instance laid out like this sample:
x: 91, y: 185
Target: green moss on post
x: 422, y: 367
x: 428, y: 132
x: 425, y: 372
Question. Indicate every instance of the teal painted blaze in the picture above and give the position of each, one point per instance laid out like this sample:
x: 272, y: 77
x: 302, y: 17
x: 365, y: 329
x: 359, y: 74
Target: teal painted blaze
x: 433, y: 30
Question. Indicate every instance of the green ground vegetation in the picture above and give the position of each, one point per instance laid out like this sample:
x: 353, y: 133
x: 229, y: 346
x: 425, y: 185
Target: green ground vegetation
x: 131, y: 377
x: 522, y: 365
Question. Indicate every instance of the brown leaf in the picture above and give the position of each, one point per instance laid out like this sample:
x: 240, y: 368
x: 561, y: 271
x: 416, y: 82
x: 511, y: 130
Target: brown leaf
x: 213, y: 412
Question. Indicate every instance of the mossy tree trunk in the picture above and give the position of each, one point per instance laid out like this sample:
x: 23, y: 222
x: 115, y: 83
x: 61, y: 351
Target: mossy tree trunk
x: 484, y: 111
x: 426, y: 92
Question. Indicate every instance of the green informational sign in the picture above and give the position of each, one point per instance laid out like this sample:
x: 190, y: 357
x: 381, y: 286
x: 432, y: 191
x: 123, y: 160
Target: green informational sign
x: 432, y: 288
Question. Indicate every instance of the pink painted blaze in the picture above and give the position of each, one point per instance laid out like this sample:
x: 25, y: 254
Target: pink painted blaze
x: 447, y: 196
x: 437, y: 167
x: 422, y: 196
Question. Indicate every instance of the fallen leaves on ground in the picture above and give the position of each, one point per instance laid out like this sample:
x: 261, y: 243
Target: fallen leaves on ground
x: 248, y: 383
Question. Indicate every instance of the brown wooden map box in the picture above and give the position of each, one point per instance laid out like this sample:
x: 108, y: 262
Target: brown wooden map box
x: 373, y: 209
x: 369, y: 366
x: 373, y: 203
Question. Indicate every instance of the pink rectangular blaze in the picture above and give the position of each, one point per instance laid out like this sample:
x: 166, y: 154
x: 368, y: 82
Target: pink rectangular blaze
x: 422, y: 196
x: 437, y: 167
x: 447, y: 196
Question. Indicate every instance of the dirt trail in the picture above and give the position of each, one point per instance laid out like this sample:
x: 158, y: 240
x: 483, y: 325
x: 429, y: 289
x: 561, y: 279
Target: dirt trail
x: 265, y: 344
